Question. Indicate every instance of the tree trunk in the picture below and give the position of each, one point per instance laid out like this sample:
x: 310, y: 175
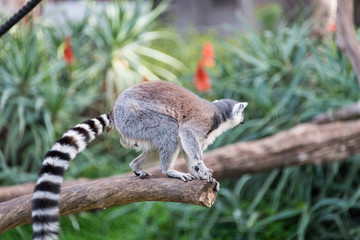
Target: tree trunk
x: 109, y: 192
x: 345, y: 34
x: 357, y: 13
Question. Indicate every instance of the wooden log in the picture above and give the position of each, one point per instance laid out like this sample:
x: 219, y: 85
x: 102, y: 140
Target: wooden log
x: 101, y: 194
x: 10, y: 192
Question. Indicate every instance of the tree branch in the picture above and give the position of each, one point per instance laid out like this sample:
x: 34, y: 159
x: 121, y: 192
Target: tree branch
x: 10, y: 192
x: 345, y: 34
x: 344, y: 113
x: 109, y: 192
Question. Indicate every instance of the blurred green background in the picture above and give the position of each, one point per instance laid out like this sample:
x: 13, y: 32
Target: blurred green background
x: 286, y: 76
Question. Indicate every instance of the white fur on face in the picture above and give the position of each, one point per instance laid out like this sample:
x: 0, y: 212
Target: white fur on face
x: 238, y: 112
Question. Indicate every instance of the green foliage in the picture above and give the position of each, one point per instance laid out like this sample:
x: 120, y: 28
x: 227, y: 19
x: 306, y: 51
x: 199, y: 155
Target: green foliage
x: 268, y: 15
x: 285, y: 76
x: 41, y: 96
x: 34, y: 92
x: 294, y: 203
x: 122, y: 38
x: 21, y: 105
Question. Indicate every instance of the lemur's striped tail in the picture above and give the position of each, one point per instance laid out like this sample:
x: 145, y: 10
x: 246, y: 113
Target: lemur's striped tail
x: 45, y: 203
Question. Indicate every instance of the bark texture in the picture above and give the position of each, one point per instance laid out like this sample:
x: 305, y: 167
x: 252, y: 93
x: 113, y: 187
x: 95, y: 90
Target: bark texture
x: 345, y: 34
x: 346, y: 113
x: 10, y: 192
x: 109, y: 192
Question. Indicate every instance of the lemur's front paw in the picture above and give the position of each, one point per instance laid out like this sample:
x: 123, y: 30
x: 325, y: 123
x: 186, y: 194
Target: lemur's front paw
x: 176, y: 174
x: 142, y: 174
x: 202, y: 172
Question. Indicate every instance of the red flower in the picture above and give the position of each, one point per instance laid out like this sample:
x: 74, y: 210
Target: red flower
x: 68, y: 51
x: 208, y: 55
x: 202, y: 80
x: 331, y: 27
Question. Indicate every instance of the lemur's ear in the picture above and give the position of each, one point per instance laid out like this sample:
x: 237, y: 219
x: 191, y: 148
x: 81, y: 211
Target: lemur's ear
x: 242, y: 105
x: 239, y: 107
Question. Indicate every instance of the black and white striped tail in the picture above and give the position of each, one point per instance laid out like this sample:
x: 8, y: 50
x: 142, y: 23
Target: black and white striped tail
x: 45, y: 203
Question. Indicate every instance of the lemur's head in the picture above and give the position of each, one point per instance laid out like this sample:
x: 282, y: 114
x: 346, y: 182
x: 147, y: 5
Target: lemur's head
x: 231, y: 110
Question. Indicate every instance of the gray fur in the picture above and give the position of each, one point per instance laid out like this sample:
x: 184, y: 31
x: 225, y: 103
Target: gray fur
x: 149, y: 122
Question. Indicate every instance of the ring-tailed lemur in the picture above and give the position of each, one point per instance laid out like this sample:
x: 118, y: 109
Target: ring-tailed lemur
x: 155, y: 117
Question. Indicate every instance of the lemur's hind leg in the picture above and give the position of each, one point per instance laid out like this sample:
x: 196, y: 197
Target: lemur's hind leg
x: 143, y: 161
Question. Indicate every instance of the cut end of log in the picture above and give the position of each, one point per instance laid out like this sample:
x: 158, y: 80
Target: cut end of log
x: 208, y: 194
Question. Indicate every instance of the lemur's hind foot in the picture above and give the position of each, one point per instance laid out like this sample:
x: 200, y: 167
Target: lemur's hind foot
x: 141, y: 174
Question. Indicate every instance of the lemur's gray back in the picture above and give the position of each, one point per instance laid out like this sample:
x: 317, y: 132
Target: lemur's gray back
x: 165, y: 98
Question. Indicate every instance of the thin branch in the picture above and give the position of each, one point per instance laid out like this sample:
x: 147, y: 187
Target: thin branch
x: 109, y: 192
x: 344, y: 113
